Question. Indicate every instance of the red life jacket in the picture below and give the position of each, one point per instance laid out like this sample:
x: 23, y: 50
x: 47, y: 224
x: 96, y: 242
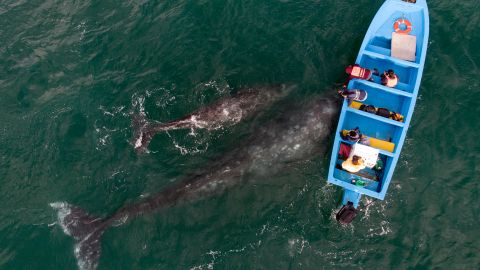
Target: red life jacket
x: 357, y: 72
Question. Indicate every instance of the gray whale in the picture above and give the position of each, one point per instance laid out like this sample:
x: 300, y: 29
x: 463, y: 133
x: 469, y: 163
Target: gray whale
x: 297, y: 135
x: 222, y: 113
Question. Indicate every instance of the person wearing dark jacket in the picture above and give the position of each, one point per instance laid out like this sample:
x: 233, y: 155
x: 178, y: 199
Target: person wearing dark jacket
x: 353, y: 94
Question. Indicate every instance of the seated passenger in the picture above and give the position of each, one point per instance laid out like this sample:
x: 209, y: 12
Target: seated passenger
x: 355, y: 136
x: 389, y: 78
x: 358, y: 72
x: 353, y: 164
x: 353, y: 94
x: 352, y: 135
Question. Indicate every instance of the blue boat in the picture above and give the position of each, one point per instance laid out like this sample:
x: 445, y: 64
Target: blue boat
x: 396, y: 40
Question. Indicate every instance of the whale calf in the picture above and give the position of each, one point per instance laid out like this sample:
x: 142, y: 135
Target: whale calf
x: 296, y: 135
x: 222, y: 113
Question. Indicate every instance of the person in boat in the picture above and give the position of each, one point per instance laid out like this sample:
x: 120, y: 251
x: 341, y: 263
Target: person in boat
x: 353, y: 164
x: 353, y: 94
x: 358, y: 72
x: 389, y: 78
x: 354, y: 135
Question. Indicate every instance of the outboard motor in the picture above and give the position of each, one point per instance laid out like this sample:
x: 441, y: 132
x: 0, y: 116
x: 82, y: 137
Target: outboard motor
x: 347, y: 213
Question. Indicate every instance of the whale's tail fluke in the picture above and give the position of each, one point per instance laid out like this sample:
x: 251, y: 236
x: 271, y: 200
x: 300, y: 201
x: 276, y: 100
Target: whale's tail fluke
x: 85, y: 229
x: 142, y: 134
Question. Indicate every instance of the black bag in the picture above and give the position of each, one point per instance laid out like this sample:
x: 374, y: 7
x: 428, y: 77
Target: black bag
x: 367, y: 108
x: 383, y: 112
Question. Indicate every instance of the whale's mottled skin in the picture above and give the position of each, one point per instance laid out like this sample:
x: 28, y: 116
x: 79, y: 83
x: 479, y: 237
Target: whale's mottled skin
x: 297, y: 135
x: 222, y: 113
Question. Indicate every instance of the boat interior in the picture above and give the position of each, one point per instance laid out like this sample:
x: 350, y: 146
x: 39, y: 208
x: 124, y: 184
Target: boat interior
x: 384, y: 133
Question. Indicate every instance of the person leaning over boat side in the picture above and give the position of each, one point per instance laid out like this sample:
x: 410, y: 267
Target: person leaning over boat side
x: 353, y: 94
x: 358, y: 72
x: 355, y: 135
x: 352, y: 135
x: 389, y: 78
x: 353, y: 164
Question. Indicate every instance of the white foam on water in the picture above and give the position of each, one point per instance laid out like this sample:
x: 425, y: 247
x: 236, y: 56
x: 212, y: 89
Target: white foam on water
x: 113, y: 111
x: 104, y: 139
x: 138, y: 101
x: 104, y: 134
x: 182, y: 149
x: 220, y: 86
x: 107, y: 127
x: 385, y: 228
x: 264, y: 227
x: 63, y: 211
x: 167, y: 98
x: 297, y: 245
x: 200, y: 144
x: 215, y: 256
x: 83, y: 30
x: 210, y: 264
x: 366, y: 213
x: 237, y: 250
x: 376, y: 228
x: 342, y: 257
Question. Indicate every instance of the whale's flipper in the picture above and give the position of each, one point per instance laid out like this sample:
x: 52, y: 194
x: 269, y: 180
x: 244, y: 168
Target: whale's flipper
x: 85, y: 229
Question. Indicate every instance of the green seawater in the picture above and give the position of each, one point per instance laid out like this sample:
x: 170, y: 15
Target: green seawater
x: 73, y: 72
